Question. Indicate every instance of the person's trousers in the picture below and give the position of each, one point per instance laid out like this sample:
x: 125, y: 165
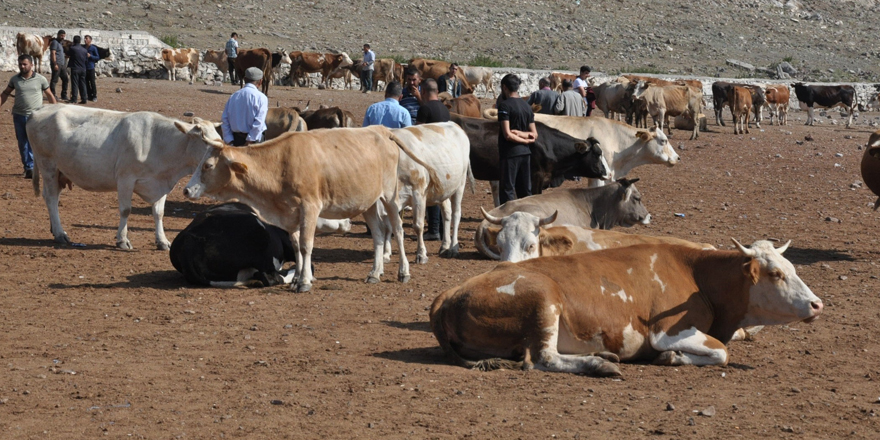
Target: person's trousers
x: 24, y: 147
x: 56, y: 74
x: 78, y: 85
x: 91, y: 86
x: 367, y: 80
x: 232, y: 76
x: 516, y: 178
x: 240, y: 139
x: 434, y: 219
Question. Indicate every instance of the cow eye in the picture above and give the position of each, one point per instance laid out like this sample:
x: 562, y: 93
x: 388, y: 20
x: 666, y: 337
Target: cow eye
x: 637, y: 198
x: 531, y: 248
x: 208, y: 166
x: 777, y: 275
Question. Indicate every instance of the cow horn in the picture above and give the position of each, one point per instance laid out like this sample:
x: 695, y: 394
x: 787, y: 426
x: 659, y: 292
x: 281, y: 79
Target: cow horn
x: 783, y: 248
x: 490, y: 218
x: 212, y: 142
x: 746, y: 251
x: 550, y: 219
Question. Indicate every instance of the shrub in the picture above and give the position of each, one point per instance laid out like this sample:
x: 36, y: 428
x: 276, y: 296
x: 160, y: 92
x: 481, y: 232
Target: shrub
x: 171, y: 40
x: 484, y: 61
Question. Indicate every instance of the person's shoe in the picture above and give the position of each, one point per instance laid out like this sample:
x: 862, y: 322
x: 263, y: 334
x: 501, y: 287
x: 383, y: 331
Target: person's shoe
x: 83, y: 102
x: 94, y: 100
x: 70, y: 101
x: 432, y: 236
x: 28, y: 174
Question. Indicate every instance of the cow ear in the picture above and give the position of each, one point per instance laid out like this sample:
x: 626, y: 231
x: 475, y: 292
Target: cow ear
x: 752, y: 270
x: 238, y: 167
x: 554, y: 244
x: 183, y: 126
x: 492, y: 236
x: 644, y: 135
x: 628, y: 193
x: 581, y: 147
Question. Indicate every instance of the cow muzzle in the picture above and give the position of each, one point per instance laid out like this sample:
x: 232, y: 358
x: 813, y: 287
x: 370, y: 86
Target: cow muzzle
x: 816, y: 307
x: 646, y: 220
x: 193, y: 192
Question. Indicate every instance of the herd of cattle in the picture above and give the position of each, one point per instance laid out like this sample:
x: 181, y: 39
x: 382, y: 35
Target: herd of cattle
x: 570, y: 295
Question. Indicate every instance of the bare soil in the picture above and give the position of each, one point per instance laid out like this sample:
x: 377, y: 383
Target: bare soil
x: 102, y: 342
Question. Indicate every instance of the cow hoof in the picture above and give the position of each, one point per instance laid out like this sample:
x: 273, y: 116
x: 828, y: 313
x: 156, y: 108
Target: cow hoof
x: 163, y: 245
x: 63, y: 238
x: 403, y: 278
x: 303, y: 288
x: 449, y: 253
x: 124, y: 245
x: 386, y: 258
x: 608, y: 356
x: 665, y: 358
x: 372, y: 280
x: 607, y: 369
x: 421, y: 259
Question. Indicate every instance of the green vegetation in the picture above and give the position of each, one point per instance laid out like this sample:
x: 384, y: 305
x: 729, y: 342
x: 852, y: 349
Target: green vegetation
x: 171, y: 40
x: 643, y: 69
x: 484, y: 61
x: 399, y: 59
x: 788, y: 59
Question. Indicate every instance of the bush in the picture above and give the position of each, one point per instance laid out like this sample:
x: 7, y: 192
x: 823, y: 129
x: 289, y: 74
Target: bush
x: 643, y: 69
x: 171, y: 40
x: 399, y: 59
x: 484, y: 61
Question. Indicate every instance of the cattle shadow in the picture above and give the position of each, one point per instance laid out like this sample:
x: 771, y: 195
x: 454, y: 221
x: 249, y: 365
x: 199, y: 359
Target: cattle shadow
x: 805, y: 256
x: 160, y: 279
x: 130, y: 228
x: 414, y: 326
x: 215, y: 92
x: 176, y: 209
x: 422, y: 356
x: 50, y: 243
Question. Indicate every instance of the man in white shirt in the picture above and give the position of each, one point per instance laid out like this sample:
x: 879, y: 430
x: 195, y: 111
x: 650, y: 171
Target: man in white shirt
x: 244, y: 117
x: 231, y: 55
x: 367, y: 71
x: 583, y: 88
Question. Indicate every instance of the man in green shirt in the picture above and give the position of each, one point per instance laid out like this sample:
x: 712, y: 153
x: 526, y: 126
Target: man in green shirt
x: 29, y: 88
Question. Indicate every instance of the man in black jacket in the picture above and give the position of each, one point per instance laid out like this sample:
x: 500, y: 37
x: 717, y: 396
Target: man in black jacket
x: 79, y: 59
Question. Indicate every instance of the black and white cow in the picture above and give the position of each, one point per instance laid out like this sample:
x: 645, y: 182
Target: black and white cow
x: 825, y: 97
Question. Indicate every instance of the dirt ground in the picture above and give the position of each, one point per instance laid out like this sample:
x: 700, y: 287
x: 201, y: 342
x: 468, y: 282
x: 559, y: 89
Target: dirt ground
x: 95, y: 341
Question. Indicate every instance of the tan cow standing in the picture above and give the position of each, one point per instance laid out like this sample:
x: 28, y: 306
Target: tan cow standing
x: 740, y: 100
x: 435, y: 69
x: 303, y: 63
x: 220, y: 59
x: 280, y: 120
x: 556, y: 80
x: 174, y: 58
x: 33, y: 45
x: 665, y: 101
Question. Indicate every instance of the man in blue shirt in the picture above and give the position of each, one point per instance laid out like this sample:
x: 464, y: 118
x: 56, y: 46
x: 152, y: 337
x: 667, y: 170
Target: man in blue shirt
x: 94, y: 57
x: 244, y: 117
x: 412, y: 92
x: 389, y: 112
x: 368, y: 68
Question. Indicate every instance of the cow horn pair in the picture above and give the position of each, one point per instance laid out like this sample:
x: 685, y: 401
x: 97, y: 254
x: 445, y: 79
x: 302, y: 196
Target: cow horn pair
x: 751, y: 252
x: 626, y: 183
x: 498, y: 220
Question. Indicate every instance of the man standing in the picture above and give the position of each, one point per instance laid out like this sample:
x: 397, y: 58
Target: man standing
x: 231, y: 55
x: 432, y: 110
x: 388, y: 112
x: 367, y: 69
x: 244, y: 117
x: 517, y: 131
x: 79, y: 59
x: 583, y: 88
x: 412, y: 92
x: 58, y: 65
x: 94, y: 57
x: 29, y: 88
x: 544, y: 97
x: 570, y: 103
x: 449, y: 83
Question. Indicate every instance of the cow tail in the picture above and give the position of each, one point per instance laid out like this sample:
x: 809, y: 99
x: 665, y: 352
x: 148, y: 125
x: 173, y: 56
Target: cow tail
x: 434, y: 182
x: 441, y: 332
x: 481, y: 242
x: 36, y: 180
x: 470, y: 176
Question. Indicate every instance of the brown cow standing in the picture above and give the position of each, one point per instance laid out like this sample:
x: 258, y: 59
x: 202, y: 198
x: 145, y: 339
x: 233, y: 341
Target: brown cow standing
x: 310, y: 62
x: 465, y: 105
x: 326, y: 117
x: 778, y: 97
x: 556, y: 80
x: 260, y: 58
x: 740, y: 104
x: 435, y: 69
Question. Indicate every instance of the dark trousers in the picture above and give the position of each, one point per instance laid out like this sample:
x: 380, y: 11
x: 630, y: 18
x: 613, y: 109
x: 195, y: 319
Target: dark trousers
x: 516, y: 178
x: 434, y: 219
x: 232, y: 76
x: 367, y: 79
x: 60, y: 73
x: 240, y: 139
x: 91, y: 86
x: 78, y: 85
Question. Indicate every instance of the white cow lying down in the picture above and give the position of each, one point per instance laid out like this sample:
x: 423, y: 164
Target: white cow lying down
x: 141, y: 153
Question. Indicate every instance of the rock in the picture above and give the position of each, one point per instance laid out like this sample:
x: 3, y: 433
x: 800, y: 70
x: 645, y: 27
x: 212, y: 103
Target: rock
x: 691, y: 421
x: 838, y: 154
x: 118, y: 90
x: 832, y: 220
x: 276, y: 402
x: 740, y: 64
x: 787, y: 68
x: 189, y: 114
x: 107, y: 14
x: 808, y: 137
x: 795, y: 390
x: 670, y: 407
x: 787, y: 429
x: 842, y: 277
x: 708, y: 412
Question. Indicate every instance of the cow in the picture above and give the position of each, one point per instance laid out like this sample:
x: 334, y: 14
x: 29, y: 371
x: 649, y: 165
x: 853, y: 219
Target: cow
x: 279, y: 58
x: 660, y: 303
x: 141, y: 153
x: 310, y: 62
x: 477, y: 76
x: 522, y: 236
x: 280, y: 120
x: 297, y: 177
x: 617, y: 204
x: 612, y: 97
x: 444, y: 147
x: 434, y: 69
x: 260, y: 58
x: 778, y: 97
x: 33, y: 45
x: 871, y: 166
x: 759, y: 100
x: 555, y: 154
x: 825, y: 97
x: 650, y: 80
x: 326, y: 117
x: 219, y: 59
x: 384, y: 69
x: 740, y: 99
x: 174, y: 58
x: 465, y: 105
x: 624, y: 147
x: 556, y: 80
x: 720, y: 91
x: 665, y: 101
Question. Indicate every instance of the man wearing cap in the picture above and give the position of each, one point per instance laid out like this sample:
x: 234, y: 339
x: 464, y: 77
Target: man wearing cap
x: 244, y: 117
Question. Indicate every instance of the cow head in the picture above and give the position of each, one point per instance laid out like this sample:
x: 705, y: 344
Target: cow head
x: 519, y: 235
x: 592, y: 162
x: 346, y: 61
x: 638, y: 89
x: 199, y: 133
x: 657, y: 143
x: 106, y: 54
x: 627, y: 210
x: 285, y: 57
x: 776, y: 294
x: 215, y: 171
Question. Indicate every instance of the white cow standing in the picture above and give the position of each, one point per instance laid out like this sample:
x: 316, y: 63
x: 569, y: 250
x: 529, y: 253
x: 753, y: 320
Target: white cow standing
x: 141, y: 153
x: 445, y: 148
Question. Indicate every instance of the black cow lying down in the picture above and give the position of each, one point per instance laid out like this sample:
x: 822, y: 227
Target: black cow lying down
x: 228, y: 245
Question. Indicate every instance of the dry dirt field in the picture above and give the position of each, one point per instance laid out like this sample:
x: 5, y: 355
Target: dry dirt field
x: 99, y: 342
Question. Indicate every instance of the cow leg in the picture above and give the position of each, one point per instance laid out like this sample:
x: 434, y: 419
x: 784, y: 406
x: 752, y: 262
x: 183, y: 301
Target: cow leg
x: 394, y: 215
x: 308, y: 223
x: 51, y: 194
x: 192, y: 73
x: 688, y: 347
x: 124, y: 191
x: 418, y: 213
x: 809, y: 116
x: 718, y: 119
x: 162, y: 242
x: 850, y: 118
x: 451, y: 219
x: 371, y: 216
x: 496, y: 192
x: 549, y: 359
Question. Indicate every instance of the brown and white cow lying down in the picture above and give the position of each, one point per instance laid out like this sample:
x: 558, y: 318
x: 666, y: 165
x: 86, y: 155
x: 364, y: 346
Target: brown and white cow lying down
x: 297, y: 177
x: 522, y: 236
x: 617, y: 204
x: 667, y: 304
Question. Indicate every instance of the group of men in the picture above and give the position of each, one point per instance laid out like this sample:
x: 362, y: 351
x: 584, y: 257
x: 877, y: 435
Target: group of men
x: 577, y: 98
x: 83, y: 56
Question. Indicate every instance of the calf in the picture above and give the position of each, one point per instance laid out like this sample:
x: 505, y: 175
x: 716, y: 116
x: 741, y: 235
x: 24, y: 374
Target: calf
x: 825, y: 97
x: 778, y: 97
x: 661, y: 303
x: 740, y: 100
x: 556, y: 79
x: 174, y: 58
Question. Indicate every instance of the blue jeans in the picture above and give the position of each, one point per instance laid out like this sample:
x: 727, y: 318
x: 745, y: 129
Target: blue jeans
x: 24, y: 147
x: 367, y: 80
